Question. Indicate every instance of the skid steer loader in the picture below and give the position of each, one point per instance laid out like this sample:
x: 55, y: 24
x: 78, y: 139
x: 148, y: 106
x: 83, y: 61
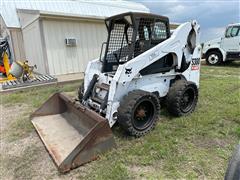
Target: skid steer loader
x: 140, y: 65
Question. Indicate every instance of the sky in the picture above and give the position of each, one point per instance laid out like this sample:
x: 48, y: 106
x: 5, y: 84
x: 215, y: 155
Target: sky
x: 212, y: 15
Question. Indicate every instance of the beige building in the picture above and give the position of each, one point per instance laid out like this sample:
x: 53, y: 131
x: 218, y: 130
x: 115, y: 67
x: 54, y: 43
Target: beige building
x: 60, y: 37
x: 61, y: 44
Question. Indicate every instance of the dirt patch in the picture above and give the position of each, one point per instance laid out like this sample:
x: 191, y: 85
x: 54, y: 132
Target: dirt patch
x: 146, y: 172
x: 26, y: 159
x: 23, y: 157
x: 234, y: 88
x: 22, y: 153
x: 209, y: 143
x: 15, y: 122
x: 9, y: 113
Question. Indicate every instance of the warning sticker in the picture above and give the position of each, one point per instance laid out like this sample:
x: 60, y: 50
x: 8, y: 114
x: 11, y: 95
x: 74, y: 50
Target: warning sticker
x: 195, y: 68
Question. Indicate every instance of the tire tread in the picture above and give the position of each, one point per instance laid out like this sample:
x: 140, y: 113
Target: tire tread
x: 174, y: 97
x: 125, y: 110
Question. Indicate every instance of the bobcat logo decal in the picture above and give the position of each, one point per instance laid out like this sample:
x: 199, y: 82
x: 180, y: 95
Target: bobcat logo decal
x: 128, y: 70
x: 195, y: 64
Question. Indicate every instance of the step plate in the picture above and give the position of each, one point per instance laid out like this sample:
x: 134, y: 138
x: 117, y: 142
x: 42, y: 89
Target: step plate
x: 38, y: 79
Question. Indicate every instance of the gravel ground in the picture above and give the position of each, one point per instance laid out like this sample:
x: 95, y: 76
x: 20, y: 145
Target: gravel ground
x: 26, y: 156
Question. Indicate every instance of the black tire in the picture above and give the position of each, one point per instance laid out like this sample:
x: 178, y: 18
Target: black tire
x: 182, y: 98
x: 214, y: 58
x: 138, y: 112
x: 81, y: 92
x: 24, y: 78
x: 233, y: 170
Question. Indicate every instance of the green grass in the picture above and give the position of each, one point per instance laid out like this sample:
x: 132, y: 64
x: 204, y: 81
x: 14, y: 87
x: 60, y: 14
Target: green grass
x: 36, y: 96
x: 196, y: 146
x: 20, y: 128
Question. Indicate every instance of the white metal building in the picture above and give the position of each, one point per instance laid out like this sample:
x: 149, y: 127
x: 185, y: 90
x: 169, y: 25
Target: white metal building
x: 59, y: 36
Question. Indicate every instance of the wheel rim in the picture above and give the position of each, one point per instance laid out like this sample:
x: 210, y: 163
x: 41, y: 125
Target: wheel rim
x: 143, y: 114
x: 188, y: 99
x: 213, y: 59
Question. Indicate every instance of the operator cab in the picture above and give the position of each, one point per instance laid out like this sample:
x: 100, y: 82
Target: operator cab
x: 130, y: 34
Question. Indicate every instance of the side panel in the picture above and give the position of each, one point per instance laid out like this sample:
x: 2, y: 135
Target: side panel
x: 193, y: 72
x: 17, y: 44
x: 230, y: 43
x: 63, y: 59
x: 208, y: 46
x: 33, y: 46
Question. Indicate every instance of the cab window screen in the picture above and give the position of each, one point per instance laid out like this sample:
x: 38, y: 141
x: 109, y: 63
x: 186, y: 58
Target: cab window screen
x: 159, y: 31
x: 118, y: 49
x: 146, y: 33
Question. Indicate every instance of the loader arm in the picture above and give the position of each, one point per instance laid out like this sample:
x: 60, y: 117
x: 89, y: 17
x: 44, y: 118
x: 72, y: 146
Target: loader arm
x: 175, y: 45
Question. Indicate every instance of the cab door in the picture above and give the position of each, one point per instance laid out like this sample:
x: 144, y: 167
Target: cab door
x: 231, y: 41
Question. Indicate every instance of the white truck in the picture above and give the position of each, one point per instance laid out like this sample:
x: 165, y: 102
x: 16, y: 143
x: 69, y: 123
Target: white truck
x: 225, y: 48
